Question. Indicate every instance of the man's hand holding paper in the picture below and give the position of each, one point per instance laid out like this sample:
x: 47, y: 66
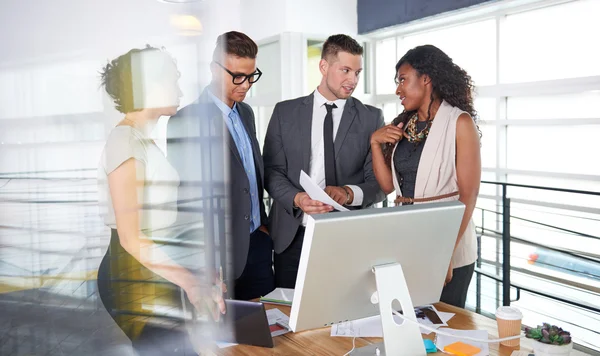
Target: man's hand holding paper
x: 315, y: 193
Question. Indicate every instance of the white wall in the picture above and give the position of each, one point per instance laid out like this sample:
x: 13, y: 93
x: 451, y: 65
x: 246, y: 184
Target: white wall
x: 265, y: 18
x: 322, y: 17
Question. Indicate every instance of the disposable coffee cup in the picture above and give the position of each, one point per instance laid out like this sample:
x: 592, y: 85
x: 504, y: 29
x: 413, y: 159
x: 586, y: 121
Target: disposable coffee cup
x: 509, y: 324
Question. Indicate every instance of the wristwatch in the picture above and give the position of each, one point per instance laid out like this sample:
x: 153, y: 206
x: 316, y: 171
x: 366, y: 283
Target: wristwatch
x: 347, y: 190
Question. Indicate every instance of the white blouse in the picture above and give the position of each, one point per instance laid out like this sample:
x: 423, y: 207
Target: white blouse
x: 160, y: 179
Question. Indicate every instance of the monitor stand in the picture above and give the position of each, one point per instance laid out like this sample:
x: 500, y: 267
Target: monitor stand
x: 398, y: 339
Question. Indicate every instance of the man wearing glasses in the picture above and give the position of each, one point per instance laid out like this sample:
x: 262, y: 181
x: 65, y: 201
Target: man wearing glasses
x: 213, y: 142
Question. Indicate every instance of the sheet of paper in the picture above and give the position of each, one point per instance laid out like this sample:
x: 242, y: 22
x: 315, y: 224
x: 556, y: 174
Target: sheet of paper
x: 443, y: 340
x: 371, y: 326
x: 223, y: 345
x: 276, y: 316
x: 279, y: 295
x: 316, y: 193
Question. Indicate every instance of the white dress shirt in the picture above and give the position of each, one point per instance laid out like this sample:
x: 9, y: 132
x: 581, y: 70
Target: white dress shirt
x: 317, y: 150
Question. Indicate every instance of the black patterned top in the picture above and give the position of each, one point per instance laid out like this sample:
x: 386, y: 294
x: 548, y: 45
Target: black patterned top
x: 406, y: 162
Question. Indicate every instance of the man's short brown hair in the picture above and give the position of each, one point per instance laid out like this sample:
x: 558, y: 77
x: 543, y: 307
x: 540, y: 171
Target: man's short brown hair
x: 236, y: 44
x: 340, y: 43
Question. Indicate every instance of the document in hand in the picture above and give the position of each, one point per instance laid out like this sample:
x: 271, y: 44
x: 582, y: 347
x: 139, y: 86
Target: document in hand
x: 316, y: 193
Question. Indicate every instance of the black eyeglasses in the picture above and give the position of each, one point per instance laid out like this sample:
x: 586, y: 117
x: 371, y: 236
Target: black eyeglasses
x: 238, y: 79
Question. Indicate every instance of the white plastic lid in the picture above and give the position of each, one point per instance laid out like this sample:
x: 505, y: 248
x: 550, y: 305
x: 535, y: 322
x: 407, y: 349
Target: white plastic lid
x: 509, y: 313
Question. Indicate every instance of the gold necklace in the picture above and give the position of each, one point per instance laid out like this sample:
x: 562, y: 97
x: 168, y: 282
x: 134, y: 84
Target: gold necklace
x: 411, y: 130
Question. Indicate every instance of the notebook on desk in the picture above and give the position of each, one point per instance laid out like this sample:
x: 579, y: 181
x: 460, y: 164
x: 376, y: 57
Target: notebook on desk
x: 283, y: 296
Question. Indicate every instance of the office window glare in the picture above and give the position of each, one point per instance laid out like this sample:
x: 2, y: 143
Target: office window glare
x: 32, y: 91
x: 551, y: 43
x: 313, y: 57
x: 568, y: 149
x: 568, y: 106
x: 486, y: 108
x: 268, y: 57
x: 262, y: 115
x: 385, y: 64
x: 471, y: 46
x: 488, y: 145
x: 390, y: 111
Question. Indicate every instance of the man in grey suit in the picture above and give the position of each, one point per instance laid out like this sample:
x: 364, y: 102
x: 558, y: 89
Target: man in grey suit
x: 327, y: 134
x: 212, y: 143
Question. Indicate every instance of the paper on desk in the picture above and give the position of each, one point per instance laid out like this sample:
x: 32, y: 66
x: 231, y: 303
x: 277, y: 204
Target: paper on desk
x: 316, y: 193
x: 371, y: 326
x: 443, y: 315
x: 223, y: 345
x: 276, y: 316
x: 442, y: 340
x: 283, y: 296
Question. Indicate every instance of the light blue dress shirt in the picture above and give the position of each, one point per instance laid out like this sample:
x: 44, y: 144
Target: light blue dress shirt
x: 244, y: 146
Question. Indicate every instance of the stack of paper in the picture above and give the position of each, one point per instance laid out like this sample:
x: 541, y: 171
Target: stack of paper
x: 283, y: 296
x: 279, y: 323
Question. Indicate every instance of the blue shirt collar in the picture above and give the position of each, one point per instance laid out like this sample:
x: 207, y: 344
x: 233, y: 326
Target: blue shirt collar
x: 226, y: 110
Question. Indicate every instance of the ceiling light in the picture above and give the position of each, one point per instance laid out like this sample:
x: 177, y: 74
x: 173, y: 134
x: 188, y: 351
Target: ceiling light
x: 187, y: 25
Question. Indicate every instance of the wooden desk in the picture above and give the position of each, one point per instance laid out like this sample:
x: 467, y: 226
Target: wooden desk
x: 319, y: 341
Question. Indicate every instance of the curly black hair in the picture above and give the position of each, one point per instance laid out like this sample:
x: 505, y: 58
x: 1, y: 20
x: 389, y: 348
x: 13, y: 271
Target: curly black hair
x: 117, y: 77
x: 449, y: 81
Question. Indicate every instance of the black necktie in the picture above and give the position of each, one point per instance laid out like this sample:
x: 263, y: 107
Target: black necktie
x: 329, y: 150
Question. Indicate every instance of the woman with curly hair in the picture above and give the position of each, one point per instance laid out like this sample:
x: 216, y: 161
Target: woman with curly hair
x: 431, y: 151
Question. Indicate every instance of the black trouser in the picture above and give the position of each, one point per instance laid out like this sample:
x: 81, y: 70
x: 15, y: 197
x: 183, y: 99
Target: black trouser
x: 455, y: 292
x: 286, y: 263
x: 257, y: 278
x: 120, y: 276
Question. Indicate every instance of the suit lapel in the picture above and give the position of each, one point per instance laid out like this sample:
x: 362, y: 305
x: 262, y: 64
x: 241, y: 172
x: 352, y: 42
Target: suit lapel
x: 305, y: 115
x: 346, y: 121
x: 219, y: 125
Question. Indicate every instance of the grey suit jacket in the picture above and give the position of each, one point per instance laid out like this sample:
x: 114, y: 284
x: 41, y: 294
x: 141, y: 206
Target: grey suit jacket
x: 214, y: 186
x: 287, y: 152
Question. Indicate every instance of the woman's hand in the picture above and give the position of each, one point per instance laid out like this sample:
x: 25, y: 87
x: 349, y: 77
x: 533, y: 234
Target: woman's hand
x: 208, y: 299
x: 449, y: 274
x: 388, y: 134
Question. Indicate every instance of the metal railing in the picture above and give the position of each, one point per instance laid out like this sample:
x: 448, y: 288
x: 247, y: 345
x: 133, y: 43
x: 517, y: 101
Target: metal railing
x: 503, y: 215
x: 506, y: 238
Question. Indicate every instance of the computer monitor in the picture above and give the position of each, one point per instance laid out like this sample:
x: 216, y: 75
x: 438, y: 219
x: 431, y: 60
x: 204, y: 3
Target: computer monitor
x: 341, y: 251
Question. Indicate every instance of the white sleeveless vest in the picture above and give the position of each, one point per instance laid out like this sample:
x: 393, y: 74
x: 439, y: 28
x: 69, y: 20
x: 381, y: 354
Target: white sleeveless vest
x: 436, y: 174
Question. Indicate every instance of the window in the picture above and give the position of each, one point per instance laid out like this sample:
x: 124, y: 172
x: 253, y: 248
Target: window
x: 471, y: 46
x: 568, y: 106
x: 385, y: 64
x: 551, y: 43
x: 269, y: 59
x: 561, y: 149
x: 391, y: 110
x: 313, y: 53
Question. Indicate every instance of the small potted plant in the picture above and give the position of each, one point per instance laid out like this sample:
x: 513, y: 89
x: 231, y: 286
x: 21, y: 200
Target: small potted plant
x: 551, y: 340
